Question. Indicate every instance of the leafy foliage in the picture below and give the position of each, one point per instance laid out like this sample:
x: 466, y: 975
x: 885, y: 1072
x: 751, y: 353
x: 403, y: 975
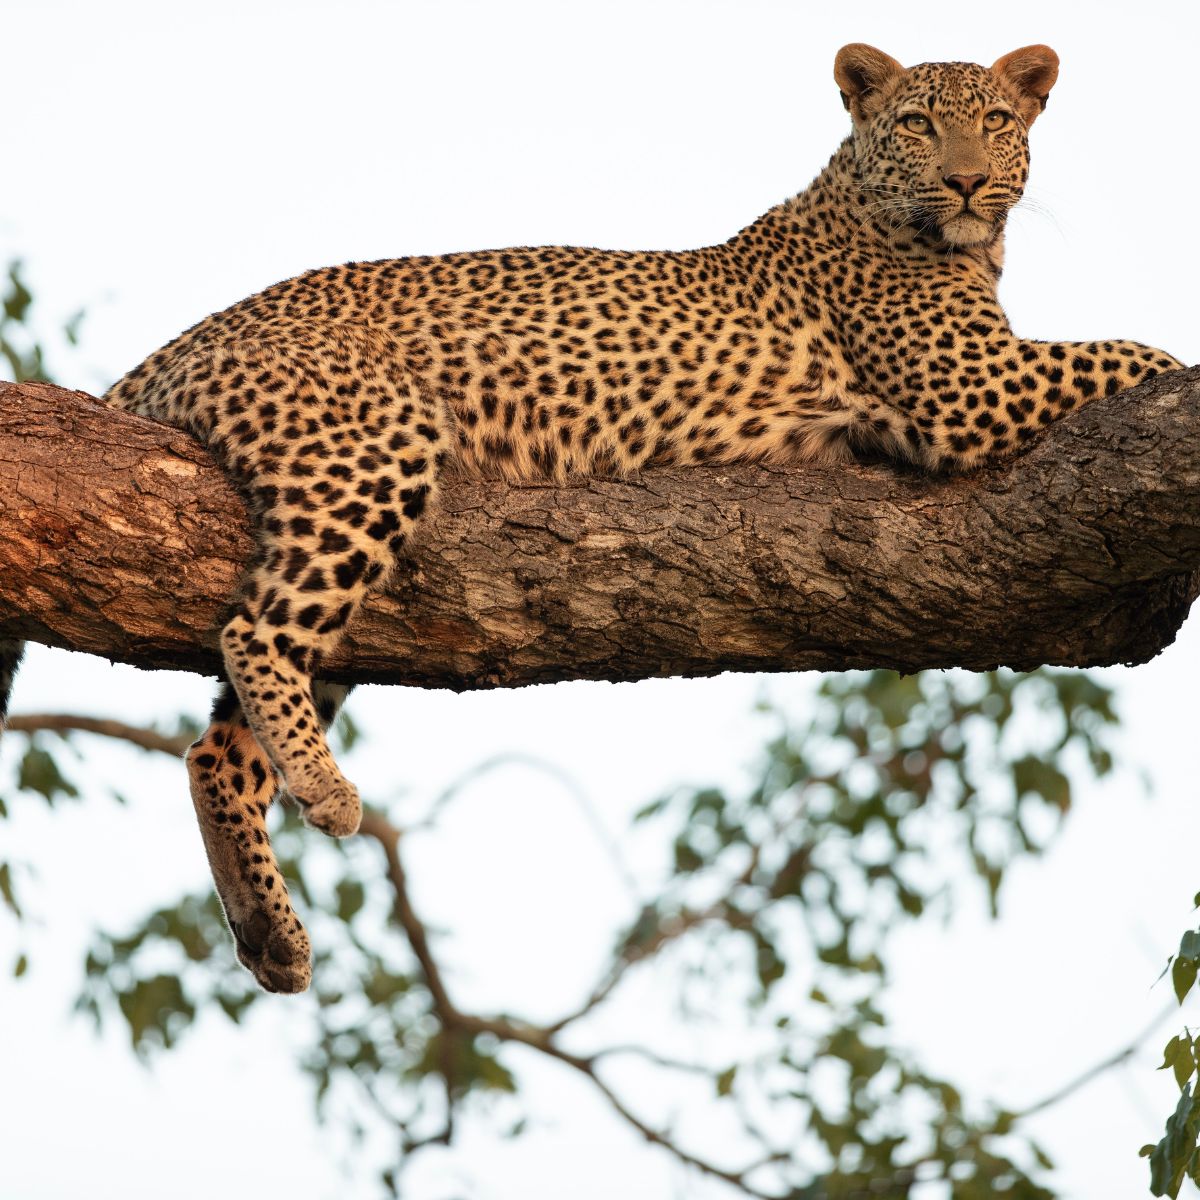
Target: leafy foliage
x: 1177, y: 1156
x: 19, y: 347
x: 862, y: 819
x: 37, y: 774
x: 774, y: 916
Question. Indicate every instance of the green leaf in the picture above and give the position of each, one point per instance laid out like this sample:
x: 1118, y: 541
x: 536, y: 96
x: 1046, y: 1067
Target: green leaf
x: 460, y: 1061
x: 1169, y: 1159
x: 71, y: 328
x: 725, y: 1080
x: 383, y: 986
x: 1183, y: 975
x: 148, y: 1008
x: 913, y: 903
x: 6, y: 889
x: 16, y: 364
x: 39, y: 773
x: 1179, y: 1057
x: 350, y: 897
x: 1032, y: 775
x: 687, y: 859
x: 654, y: 807
x: 1169, y: 1052
x: 20, y: 966
x: 1043, y: 1159
x: 768, y: 962
x: 18, y: 299
x: 234, y: 1006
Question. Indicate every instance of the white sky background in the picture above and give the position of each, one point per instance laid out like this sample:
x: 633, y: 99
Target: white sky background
x: 162, y: 160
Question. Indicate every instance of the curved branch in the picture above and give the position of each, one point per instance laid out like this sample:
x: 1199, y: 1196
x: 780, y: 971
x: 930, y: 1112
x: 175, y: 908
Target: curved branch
x: 506, y: 1029
x: 174, y: 744
x: 1123, y: 1055
x: 120, y: 537
x: 542, y: 1038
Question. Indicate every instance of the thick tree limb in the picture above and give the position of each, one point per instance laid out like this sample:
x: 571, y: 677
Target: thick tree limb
x: 120, y: 537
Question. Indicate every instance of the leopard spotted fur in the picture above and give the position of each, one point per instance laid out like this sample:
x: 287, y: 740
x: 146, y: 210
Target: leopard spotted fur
x: 858, y: 317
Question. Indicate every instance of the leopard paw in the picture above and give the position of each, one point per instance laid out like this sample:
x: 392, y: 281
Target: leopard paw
x: 330, y: 805
x: 276, y: 952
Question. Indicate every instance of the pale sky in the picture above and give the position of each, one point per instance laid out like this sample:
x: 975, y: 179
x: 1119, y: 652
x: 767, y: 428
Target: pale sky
x: 163, y: 160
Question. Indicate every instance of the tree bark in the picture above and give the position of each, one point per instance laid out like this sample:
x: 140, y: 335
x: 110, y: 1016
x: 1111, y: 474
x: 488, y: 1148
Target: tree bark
x: 120, y: 537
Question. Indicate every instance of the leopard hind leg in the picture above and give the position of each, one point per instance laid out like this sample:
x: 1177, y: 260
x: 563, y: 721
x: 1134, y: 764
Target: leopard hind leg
x: 336, y: 446
x: 232, y: 784
x: 336, y: 478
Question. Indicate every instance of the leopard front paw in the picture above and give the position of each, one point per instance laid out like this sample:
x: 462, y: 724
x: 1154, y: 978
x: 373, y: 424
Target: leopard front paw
x: 275, y: 951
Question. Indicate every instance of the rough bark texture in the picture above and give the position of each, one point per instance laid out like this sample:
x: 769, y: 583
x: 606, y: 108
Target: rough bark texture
x: 120, y: 537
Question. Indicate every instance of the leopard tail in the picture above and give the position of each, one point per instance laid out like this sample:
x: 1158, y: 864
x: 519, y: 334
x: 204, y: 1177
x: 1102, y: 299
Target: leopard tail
x: 10, y: 658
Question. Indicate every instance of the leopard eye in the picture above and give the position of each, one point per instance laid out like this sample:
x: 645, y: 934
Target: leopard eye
x: 996, y: 120
x: 915, y: 123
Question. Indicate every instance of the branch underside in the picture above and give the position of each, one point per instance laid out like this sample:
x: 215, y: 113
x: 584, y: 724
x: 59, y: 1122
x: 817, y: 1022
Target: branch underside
x: 121, y: 537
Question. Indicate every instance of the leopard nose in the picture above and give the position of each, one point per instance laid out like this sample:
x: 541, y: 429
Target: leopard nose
x: 965, y: 185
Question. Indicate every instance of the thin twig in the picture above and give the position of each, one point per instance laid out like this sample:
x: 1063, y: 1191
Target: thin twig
x: 737, y: 1178
x: 666, y: 929
x: 563, y: 778
x: 1113, y: 1060
x: 659, y: 1060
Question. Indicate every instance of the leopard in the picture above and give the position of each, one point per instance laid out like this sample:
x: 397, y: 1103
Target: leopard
x: 857, y: 320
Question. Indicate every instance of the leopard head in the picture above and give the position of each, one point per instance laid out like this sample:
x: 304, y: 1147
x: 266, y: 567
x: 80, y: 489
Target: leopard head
x: 944, y: 147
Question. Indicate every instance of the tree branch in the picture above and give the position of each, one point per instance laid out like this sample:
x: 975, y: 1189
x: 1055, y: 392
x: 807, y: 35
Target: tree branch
x: 506, y: 1029
x: 452, y: 1019
x: 174, y: 744
x: 543, y: 1038
x: 1115, y: 1059
x: 120, y: 537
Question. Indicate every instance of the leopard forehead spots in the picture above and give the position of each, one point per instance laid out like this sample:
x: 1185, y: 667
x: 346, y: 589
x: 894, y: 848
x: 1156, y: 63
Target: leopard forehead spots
x: 946, y: 150
x: 858, y: 318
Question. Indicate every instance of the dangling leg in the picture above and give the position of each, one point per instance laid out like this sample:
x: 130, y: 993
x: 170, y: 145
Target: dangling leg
x: 232, y: 784
x: 271, y: 648
x: 338, y: 464
x: 346, y: 470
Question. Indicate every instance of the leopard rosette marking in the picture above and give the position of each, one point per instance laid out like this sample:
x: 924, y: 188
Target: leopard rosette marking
x: 859, y: 317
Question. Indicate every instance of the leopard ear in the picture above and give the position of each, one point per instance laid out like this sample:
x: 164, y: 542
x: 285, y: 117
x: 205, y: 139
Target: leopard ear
x: 1030, y: 74
x: 862, y: 74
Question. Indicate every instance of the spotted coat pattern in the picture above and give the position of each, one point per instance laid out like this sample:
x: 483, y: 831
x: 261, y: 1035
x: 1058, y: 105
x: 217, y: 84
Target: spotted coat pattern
x: 859, y: 317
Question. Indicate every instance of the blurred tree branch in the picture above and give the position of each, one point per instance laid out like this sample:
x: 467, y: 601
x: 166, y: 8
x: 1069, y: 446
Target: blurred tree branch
x: 454, y: 1022
x: 120, y: 537
x: 649, y: 933
x: 148, y: 739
